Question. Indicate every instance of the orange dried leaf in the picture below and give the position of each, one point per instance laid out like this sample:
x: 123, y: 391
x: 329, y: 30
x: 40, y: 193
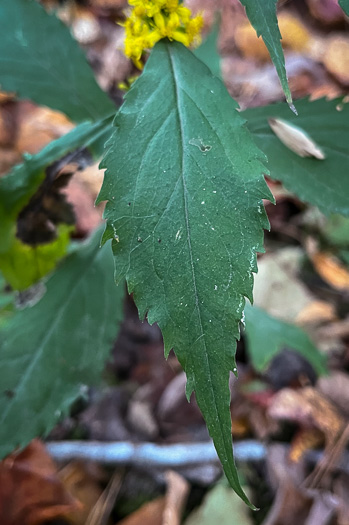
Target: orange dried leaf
x: 309, y: 408
x: 30, y: 491
x: 294, y: 36
x: 149, y: 514
x: 336, y: 58
x: 331, y: 270
x: 305, y: 439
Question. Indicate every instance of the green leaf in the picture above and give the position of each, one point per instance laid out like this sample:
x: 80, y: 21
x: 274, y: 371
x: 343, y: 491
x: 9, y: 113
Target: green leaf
x: 184, y: 186
x: 336, y: 230
x: 41, y: 61
x: 6, y: 302
x: 221, y: 506
x: 24, y: 265
x: 345, y: 6
x: 50, y: 350
x: 207, y: 52
x: 262, y: 15
x: 267, y: 336
x: 22, y: 182
x: 324, y: 183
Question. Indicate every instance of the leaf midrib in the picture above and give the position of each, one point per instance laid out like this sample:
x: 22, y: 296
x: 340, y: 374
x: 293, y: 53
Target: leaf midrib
x: 202, y: 335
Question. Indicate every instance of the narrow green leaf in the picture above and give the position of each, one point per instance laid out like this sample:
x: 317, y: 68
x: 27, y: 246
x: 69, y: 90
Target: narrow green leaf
x: 345, y: 6
x: 22, y: 182
x: 50, y: 350
x: 324, y: 183
x: 184, y: 186
x: 267, y: 336
x: 262, y: 15
x: 41, y: 61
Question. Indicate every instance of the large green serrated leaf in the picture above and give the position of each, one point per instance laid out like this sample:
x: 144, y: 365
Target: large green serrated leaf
x: 345, y: 6
x: 50, y: 350
x: 22, y: 182
x: 267, y: 336
x: 262, y: 15
x: 41, y: 61
x: 324, y: 183
x: 184, y: 187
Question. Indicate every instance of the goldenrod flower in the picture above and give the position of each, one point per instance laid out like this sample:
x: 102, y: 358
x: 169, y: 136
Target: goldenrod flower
x: 151, y: 20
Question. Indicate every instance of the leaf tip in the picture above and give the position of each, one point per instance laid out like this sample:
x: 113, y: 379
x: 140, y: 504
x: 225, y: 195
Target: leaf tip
x: 292, y: 107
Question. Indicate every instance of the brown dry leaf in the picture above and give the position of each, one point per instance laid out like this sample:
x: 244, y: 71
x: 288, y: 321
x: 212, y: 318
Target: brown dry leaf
x: 336, y: 58
x: 291, y: 504
x: 5, y: 96
x: 331, y: 270
x: 108, y: 4
x: 326, y: 11
x: 88, y: 217
x: 39, y: 126
x: 240, y: 427
x: 82, y: 484
x: 310, y: 409
x: 249, y: 44
x: 8, y: 158
x: 336, y: 388
x: 304, y: 440
x: 30, y: 490
x: 295, y: 36
x: 148, y: 514
x: 176, y: 497
x: 101, y: 511
x: 341, y: 490
x: 316, y: 312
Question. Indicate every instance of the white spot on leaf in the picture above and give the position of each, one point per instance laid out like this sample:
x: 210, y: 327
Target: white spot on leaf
x: 295, y: 139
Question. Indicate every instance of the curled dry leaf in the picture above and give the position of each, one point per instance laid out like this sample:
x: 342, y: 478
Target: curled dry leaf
x: 81, y: 481
x: 30, y: 490
x: 295, y: 139
x: 38, y: 126
x: 331, y: 270
x: 310, y: 409
x: 305, y: 439
x: 176, y: 497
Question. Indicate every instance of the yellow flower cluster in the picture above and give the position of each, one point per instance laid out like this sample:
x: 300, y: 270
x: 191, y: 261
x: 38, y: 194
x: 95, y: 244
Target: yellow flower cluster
x: 152, y: 20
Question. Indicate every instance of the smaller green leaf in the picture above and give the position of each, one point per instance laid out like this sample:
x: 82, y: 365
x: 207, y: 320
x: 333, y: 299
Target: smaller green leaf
x: 336, y: 230
x: 345, y: 6
x: 323, y: 183
x: 267, y: 336
x: 50, y: 350
x: 41, y: 61
x: 221, y: 505
x: 262, y: 15
x: 23, y: 265
x: 207, y: 52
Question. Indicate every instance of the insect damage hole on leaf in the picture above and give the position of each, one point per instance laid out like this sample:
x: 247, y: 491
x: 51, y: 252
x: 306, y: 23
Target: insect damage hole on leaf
x: 199, y: 143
